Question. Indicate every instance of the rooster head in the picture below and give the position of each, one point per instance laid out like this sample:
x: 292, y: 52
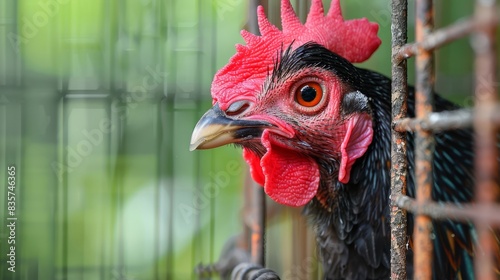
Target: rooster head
x: 290, y: 99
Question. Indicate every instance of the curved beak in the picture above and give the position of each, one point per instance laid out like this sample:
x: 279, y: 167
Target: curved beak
x: 216, y: 129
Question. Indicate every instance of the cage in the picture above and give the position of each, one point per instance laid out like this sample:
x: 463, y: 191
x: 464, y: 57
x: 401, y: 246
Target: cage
x: 98, y: 99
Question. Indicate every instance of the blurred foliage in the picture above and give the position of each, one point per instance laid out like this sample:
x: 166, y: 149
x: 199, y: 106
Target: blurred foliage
x: 97, y: 102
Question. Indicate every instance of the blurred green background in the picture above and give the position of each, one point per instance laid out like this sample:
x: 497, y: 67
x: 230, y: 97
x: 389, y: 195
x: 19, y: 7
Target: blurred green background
x: 98, y: 99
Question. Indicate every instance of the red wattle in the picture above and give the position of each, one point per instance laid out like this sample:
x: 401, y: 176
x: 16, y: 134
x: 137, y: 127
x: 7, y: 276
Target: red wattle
x: 288, y: 177
x: 255, y: 169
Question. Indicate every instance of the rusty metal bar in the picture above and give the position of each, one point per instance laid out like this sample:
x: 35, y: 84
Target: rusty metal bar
x: 399, y: 165
x: 442, y: 211
x: 424, y: 142
x: 439, y: 38
x: 446, y: 120
x: 445, y: 35
x: 486, y: 164
x: 257, y: 227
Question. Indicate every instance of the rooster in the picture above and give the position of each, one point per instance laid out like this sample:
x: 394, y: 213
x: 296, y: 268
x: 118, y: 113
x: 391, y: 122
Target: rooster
x: 315, y: 131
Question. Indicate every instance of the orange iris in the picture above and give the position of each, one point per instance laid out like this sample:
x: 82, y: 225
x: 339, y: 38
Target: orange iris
x: 309, y: 94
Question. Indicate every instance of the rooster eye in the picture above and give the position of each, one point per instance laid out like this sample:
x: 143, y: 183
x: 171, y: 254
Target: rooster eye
x: 309, y: 94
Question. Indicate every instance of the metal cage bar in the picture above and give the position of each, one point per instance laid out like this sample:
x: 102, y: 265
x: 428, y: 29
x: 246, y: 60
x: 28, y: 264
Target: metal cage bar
x: 486, y: 163
x: 258, y: 202
x: 424, y: 142
x: 484, y: 118
x: 398, y: 140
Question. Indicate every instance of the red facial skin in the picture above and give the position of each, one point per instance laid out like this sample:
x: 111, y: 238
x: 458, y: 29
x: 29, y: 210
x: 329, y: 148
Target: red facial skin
x: 288, y: 170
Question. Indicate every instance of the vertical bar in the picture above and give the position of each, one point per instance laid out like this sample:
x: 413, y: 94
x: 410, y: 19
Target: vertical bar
x: 168, y: 156
x: 258, y: 226
x: 424, y: 142
x: 486, y: 165
x: 199, y: 103
x: 259, y: 197
x: 399, y: 165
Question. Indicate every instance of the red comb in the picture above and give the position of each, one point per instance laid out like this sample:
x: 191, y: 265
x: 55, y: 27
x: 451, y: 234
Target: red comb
x: 243, y: 76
